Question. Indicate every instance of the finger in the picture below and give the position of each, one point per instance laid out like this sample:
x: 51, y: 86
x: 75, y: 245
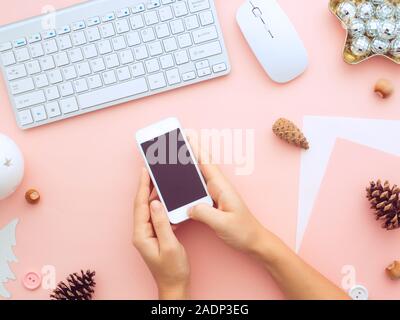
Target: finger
x: 207, y: 215
x: 162, y: 227
x: 141, y: 212
x: 153, y: 195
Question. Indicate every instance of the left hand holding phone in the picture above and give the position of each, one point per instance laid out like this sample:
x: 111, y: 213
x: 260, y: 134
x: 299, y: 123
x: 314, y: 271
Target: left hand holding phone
x: 155, y: 240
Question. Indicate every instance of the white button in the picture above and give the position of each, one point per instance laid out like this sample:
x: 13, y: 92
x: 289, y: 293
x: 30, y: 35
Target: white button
x: 34, y: 38
x: 358, y: 292
x: 93, y: 21
x: 123, y: 12
x: 39, y: 114
x: 154, y: 4
x: 108, y: 17
x: 25, y: 117
x: 63, y: 30
x: 219, y: 67
x: 19, y: 42
x: 138, y: 8
x: 53, y: 110
x: 173, y: 76
x: 69, y: 105
x: 78, y: 25
x: 49, y: 34
x: 189, y: 76
x: 204, y: 72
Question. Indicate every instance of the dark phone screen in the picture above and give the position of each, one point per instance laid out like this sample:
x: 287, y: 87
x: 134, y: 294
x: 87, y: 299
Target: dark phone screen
x: 173, y: 169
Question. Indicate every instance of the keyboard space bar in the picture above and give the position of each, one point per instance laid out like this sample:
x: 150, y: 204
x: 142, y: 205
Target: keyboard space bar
x: 112, y: 93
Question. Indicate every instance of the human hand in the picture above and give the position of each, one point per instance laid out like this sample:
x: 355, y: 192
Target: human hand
x: 231, y: 219
x: 155, y: 240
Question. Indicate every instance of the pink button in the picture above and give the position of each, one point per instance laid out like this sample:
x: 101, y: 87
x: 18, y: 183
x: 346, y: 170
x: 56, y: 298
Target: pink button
x: 32, y: 280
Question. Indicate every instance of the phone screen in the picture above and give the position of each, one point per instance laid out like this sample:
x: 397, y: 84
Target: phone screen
x: 174, y: 170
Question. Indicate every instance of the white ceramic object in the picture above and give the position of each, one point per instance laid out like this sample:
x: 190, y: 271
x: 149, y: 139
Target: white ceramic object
x: 11, y: 166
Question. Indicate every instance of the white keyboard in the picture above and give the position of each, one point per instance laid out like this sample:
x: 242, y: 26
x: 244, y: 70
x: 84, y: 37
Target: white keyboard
x: 105, y: 52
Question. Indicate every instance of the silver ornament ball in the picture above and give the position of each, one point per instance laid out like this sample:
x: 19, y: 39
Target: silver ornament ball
x: 397, y: 13
x: 385, y: 11
x: 377, y: 2
x: 371, y: 27
x: 387, y: 29
x: 346, y: 10
x: 356, y: 27
x: 395, y: 48
x: 380, y: 46
x: 365, y: 11
x: 360, y: 46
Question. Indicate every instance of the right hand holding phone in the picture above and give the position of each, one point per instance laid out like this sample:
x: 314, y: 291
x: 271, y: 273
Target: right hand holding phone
x: 231, y: 219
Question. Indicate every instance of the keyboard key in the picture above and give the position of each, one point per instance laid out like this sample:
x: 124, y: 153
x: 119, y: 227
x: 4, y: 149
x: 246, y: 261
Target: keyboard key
x: 49, y: 34
x: 155, y: 48
x: 19, y: 42
x: 162, y: 30
x: 133, y: 38
x: 55, y: 76
x: 181, y: 57
x: 68, y: 105
x: 5, y: 46
x: 140, y: 52
x: 80, y: 85
x: 112, y: 61
x: 29, y: 99
x: 123, y: 74
x: 93, y: 34
x: 148, y: 35
x: 122, y: 26
x: 22, y: 55
x: 16, y: 72
x: 152, y: 65
x: 41, y: 80
x: 107, y: 30
x: 94, y: 81
x: 97, y: 65
x: 165, y: 13
x: 108, y: 17
x: 219, y: 67
x: 90, y: 51
x: 206, y: 18
x: 173, y: 77
x: 154, y: 4
x: 112, y: 93
x: 136, y: 22
x: 180, y: 9
x: 78, y: 38
x: 66, y: 89
x: 79, y: 25
x: 167, y: 61
x: 93, y: 21
x: 205, y: 50
x: 69, y: 72
x: 64, y: 42
x: 39, y: 113
x: 52, y: 93
x: 170, y: 44
x: 21, y: 86
x: 118, y: 43
x: 47, y: 63
x: 204, y: 72
x: 61, y: 59
x: 8, y: 58
x: 104, y: 46
x: 204, y: 35
x: 189, y: 76
x: 157, y: 81
x: 83, y: 69
x: 33, y: 67
x: 202, y: 64
x: 185, y: 40
x: 50, y: 46
x: 126, y: 56
x: 36, y: 50
x: 25, y: 117
x: 138, y: 8
x: 138, y: 69
x: 198, y: 5
x: 191, y: 23
x: 34, y: 38
x: 167, y: 1
x: 109, y: 77
x: 53, y: 109
x: 150, y: 18
x: 177, y: 26
x: 123, y: 12
x: 64, y: 30
x: 75, y: 55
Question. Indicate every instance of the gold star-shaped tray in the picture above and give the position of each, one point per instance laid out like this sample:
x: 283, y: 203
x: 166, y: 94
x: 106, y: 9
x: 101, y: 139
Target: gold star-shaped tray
x: 349, y: 56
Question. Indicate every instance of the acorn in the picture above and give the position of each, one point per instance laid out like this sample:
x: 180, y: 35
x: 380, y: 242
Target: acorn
x: 32, y: 196
x: 393, y: 271
x: 384, y: 88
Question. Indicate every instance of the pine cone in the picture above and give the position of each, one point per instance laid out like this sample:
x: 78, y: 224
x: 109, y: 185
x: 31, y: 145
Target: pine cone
x: 287, y: 130
x: 385, y: 200
x: 79, y: 287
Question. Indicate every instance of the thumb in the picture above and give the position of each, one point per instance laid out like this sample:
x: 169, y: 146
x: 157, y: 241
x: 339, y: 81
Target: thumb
x: 206, y: 214
x: 161, y: 225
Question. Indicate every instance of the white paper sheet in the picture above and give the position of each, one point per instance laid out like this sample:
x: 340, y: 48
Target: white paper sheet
x: 322, y: 133
x: 7, y: 242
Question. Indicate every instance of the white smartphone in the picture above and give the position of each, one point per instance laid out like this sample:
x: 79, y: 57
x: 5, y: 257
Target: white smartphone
x: 173, y: 168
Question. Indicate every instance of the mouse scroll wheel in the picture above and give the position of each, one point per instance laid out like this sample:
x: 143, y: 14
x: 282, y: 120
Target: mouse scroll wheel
x: 257, y: 12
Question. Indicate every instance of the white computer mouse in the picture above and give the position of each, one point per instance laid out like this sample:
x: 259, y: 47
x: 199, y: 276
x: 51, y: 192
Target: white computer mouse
x: 273, y: 39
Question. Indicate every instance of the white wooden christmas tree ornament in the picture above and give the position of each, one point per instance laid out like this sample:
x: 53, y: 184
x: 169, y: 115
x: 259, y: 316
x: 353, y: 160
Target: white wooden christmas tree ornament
x: 7, y: 242
x: 11, y: 166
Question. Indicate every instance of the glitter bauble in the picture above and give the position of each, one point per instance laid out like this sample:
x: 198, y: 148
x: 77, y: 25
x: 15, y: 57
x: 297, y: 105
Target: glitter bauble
x: 360, y: 46
x: 385, y: 11
x: 395, y: 47
x: 387, y: 30
x: 346, y: 10
x: 365, y: 11
x: 380, y: 46
x: 356, y: 27
x: 371, y: 27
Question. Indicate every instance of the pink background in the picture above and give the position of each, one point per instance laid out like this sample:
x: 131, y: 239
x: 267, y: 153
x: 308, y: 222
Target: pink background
x: 341, y: 206
x: 86, y: 168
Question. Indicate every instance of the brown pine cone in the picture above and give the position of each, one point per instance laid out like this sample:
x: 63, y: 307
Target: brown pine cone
x: 288, y: 131
x: 79, y: 287
x: 386, y: 203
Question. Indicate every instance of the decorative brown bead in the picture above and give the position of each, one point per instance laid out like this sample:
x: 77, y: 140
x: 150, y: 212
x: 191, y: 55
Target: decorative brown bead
x: 32, y: 196
x: 393, y: 271
x: 384, y: 88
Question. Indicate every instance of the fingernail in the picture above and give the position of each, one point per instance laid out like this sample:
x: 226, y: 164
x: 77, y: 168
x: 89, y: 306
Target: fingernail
x: 155, y: 206
x: 190, y: 211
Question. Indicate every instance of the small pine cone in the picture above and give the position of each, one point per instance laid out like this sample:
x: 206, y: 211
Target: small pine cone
x: 79, y: 287
x: 288, y: 131
x: 385, y: 200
